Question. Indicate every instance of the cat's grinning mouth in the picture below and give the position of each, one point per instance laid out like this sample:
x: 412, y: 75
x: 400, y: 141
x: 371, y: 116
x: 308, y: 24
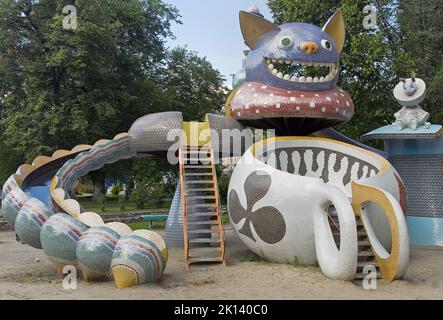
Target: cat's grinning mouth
x: 302, y: 72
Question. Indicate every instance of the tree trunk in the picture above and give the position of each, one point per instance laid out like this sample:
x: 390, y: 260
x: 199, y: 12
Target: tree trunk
x: 98, y: 182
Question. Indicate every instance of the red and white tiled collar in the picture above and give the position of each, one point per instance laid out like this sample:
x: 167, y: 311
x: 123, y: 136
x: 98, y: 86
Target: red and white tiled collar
x: 255, y: 100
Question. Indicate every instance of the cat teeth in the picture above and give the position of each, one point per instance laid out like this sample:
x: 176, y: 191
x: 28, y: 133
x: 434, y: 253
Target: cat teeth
x: 273, y: 68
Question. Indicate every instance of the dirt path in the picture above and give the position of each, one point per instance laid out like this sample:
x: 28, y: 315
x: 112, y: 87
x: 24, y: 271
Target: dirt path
x: 25, y: 273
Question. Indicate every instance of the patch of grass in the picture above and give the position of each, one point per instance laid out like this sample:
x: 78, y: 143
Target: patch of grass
x: 252, y: 257
x: 113, y: 205
x: 225, y: 218
x: 145, y: 225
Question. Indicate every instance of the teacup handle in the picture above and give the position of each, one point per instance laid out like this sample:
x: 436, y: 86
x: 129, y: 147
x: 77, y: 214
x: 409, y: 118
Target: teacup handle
x: 393, y: 265
x: 340, y: 264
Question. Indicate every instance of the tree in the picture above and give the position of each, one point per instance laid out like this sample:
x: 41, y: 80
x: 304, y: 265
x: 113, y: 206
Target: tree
x: 191, y: 85
x: 63, y: 87
x: 420, y: 23
x: 372, y: 60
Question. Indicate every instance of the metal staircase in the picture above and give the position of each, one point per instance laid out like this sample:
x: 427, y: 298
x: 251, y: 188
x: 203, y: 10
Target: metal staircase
x: 365, y: 255
x: 202, y: 221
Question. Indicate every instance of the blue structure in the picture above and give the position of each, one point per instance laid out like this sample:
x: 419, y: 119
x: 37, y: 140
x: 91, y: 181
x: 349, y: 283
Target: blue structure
x: 418, y: 157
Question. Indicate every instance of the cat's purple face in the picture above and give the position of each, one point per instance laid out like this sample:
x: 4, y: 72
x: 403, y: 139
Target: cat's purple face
x: 299, y: 56
x: 294, y: 56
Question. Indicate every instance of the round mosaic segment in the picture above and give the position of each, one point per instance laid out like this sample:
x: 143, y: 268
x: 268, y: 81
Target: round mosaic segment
x: 136, y: 261
x: 94, y: 252
x: 12, y: 203
x: 59, y: 237
x: 255, y: 100
x: 30, y: 220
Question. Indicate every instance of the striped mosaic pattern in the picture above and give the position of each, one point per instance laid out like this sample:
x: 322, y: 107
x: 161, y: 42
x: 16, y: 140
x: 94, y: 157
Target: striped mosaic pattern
x: 95, y: 158
x: 13, y: 200
x: 59, y: 237
x: 30, y: 221
x: 94, y: 251
x: 329, y: 165
x: 136, y: 261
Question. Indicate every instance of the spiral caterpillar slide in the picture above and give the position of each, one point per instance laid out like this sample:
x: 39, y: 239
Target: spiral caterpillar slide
x: 37, y: 205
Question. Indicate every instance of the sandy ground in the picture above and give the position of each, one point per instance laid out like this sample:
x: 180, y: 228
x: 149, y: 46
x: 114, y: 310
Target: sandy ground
x: 25, y: 273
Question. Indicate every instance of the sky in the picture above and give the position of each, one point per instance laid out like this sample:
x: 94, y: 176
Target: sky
x: 211, y: 27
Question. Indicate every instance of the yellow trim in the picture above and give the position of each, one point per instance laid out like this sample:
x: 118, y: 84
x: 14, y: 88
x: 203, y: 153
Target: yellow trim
x: 81, y: 148
x: 101, y: 142
x: 40, y: 160
x: 60, y: 154
x: 124, y: 277
x: 384, y: 164
x: 193, y: 133
x: 228, y: 108
x: 361, y: 194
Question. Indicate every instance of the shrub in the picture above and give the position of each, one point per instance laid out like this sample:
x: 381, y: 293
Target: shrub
x: 139, y: 196
x: 85, y: 189
x: 116, y: 189
x: 122, y: 203
x: 101, y: 200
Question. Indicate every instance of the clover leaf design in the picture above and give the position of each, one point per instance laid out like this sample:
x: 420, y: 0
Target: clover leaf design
x: 268, y: 222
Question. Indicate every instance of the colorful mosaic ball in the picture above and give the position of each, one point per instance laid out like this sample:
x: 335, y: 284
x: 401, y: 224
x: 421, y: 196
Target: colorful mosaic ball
x: 59, y: 237
x: 94, y: 252
x: 11, y: 205
x: 136, y: 260
x: 158, y: 240
x: 30, y: 220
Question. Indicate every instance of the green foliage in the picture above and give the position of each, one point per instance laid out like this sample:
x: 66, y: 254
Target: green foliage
x: 122, y: 203
x: 223, y: 179
x: 373, y: 60
x: 191, y: 85
x: 116, y: 189
x: 139, y: 195
x: 60, y: 88
x: 102, y: 201
x: 85, y: 189
x: 422, y: 29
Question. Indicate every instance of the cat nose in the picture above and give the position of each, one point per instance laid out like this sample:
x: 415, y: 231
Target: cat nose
x: 309, y: 47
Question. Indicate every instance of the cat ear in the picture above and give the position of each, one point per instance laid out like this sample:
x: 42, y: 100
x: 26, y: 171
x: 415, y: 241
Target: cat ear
x: 254, y: 27
x: 335, y: 28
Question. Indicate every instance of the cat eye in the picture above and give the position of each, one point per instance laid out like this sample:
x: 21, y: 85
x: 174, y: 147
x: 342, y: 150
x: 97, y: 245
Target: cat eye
x: 326, y: 45
x: 286, y: 42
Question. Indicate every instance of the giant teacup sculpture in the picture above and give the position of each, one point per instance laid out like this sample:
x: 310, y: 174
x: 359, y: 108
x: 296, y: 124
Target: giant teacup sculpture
x: 282, y: 200
x: 282, y: 189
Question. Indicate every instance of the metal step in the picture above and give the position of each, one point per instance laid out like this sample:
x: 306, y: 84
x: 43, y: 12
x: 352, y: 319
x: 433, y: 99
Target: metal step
x: 205, y: 259
x: 198, y: 159
x: 199, y: 190
x: 364, y: 244
x: 195, y: 241
x: 199, y: 182
x: 201, y: 214
x: 203, y: 231
x: 201, y: 205
x: 203, y: 251
x: 211, y: 222
x: 200, y: 197
x: 194, y: 166
x: 365, y: 254
x: 198, y: 174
